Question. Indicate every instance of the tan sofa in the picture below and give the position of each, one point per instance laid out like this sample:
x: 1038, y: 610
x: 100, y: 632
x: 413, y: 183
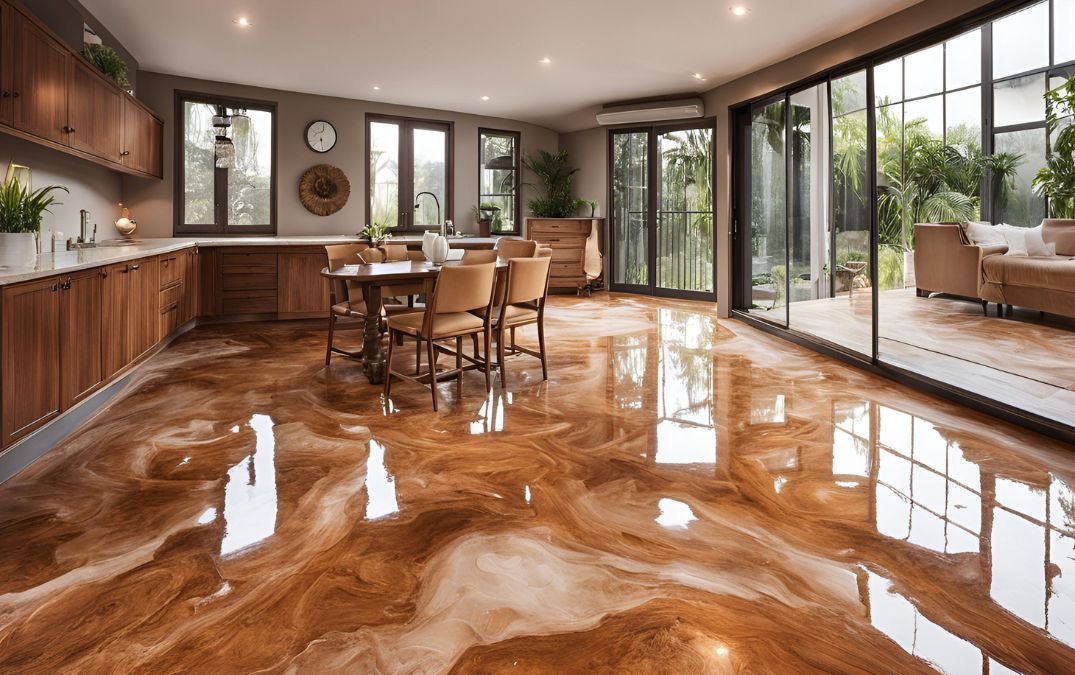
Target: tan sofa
x: 946, y: 262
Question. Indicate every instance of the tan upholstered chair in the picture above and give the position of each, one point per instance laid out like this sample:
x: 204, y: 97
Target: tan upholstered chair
x: 391, y: 293
x: 345, y: 298
x: 507, y: 249
x: 479, y: 256
x: 459, y: 292
x: 523, y: 303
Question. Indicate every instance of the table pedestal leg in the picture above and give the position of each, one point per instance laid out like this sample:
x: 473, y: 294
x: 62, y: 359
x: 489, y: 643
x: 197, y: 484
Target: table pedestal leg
x: 372, y: 351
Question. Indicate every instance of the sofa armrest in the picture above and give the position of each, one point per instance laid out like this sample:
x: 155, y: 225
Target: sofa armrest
x: 944, y: 263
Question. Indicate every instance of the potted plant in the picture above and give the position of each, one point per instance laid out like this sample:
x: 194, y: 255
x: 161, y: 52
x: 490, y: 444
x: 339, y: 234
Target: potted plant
x: 377, y: 233
x: 109, y: 62
x: 489, y: 220
x: 1056, y: 180
x: 556, y: 178
x: 21, y: 211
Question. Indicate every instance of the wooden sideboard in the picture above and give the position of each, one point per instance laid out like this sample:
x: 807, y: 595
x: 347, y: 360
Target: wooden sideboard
x: 567, y: 239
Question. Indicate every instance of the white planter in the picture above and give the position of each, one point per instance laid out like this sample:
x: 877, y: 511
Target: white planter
x: 908, y: 269
x: 438, y: 250
x: 18, y: 249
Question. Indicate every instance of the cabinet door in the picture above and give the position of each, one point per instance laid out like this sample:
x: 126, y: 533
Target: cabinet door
x: 116, y: 320
x: 95, y: 113
x: 81, y: 365
x: 191, y: 286
x: 144, y: 307
x: 40, y: 91
x: 143, y: 139
x: 7, y: 52
x: 31, y: 363
x: 300, y: 286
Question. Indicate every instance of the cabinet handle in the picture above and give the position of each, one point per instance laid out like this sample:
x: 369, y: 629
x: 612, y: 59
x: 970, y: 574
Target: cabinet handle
x: 6, y: 94
x: 124, y: 153
x: 69, y: 130
x: 126, y: 268
x: 54, y: 288
x: 66, y: 286
x: 104, y: 273
x: 134, y: 268
x: 15, y: 94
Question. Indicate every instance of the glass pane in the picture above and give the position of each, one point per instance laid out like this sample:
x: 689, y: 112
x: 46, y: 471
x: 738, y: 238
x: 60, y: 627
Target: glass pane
x: 630, y: 207
x: 685, y: 212
x: 430, y: 175
x: 963, y: 117
x: 1019, y: 100
x: 925, y: 72
x: 1017, y: 203
x: 497, y: 180
x: 1058, y: 79
x: 1021, y: 41
x: 250, y: 179
x: 926, y: 114
x: 384, y: 173
x: 768, y: 223
x: 849, y: 94
x: 963, y: 60
x: 1063, y: 18
x: 891, y: 231
x: 198, y: 164
x: 888, y: 82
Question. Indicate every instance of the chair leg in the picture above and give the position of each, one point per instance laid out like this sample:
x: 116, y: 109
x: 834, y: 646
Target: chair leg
x: 541, y: 348
x: 431, y: 353
x: 418, y: 356
x: 500, y: 358
x: 488, y: 357
x: 388, y: 365
x: 331, y: 330
x: 474, y: 339
x: 459, y: 361
x: 513, y: 338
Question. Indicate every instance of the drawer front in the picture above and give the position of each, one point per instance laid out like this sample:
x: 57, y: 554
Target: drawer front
x: 563, y: 255
x: 249, y: 281
x: 244, y: 263
x: 169, y: 297
x: 249, y: 302
x: 170, y: 270
x: 566, y: 269
x: 169, y: 320
x: 559, y: 227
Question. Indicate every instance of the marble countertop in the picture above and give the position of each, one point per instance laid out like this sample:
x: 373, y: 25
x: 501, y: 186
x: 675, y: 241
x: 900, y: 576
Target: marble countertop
x: 64, y: 262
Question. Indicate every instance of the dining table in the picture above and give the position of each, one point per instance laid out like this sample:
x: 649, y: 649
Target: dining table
x: 372, y: 278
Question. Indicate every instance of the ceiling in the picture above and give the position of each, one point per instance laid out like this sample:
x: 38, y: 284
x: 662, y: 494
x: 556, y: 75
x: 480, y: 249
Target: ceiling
x: 448, y: 54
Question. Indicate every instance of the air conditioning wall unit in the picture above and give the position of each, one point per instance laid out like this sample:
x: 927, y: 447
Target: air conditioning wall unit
x: 655, y: 111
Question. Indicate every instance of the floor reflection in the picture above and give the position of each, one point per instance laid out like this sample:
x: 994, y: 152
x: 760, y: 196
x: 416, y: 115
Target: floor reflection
x: 380, y: 485
x: 250, y: 494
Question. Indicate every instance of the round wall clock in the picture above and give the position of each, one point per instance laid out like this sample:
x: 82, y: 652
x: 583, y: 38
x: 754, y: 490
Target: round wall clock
x: 324, y: 189
x: 320, y: 136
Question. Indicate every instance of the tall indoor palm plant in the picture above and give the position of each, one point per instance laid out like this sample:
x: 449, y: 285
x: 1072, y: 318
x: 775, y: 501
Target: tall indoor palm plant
x: 556, y: 176
x: 1056, y: 180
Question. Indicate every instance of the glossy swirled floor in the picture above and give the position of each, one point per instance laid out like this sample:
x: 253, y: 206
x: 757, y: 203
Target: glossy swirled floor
x: 685, y: 494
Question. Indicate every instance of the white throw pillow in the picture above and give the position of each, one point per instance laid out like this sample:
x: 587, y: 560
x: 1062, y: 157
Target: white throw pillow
x: 1035, y: 244
x: 983, y: 234
x: 1015, y: 237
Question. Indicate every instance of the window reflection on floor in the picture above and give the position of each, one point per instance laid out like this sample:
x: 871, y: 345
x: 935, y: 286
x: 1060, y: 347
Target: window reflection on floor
x: 250, y: 494
x: 380, y: 485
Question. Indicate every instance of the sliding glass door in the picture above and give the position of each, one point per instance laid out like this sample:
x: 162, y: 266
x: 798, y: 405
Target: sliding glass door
x: 662, y: 238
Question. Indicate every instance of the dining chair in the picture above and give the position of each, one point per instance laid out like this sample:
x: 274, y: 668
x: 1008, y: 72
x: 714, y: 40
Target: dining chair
x: 523, y: 304
x: 472, y: 256
x: 459, y: 290
x: 391, y: 293
x: 345, y: 298
x: 515, y: 248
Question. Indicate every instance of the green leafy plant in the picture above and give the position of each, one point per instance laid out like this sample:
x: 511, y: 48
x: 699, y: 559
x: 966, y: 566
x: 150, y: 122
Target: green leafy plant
x: 491, y: 212
x: 556, y: 177
x: 21, y: 209
x: 1056, y: 180
x: 377, y: 231
x: 109, y: 62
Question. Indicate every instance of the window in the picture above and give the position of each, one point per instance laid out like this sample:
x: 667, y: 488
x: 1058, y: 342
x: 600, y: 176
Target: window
x: 498, y: 184
x: 226, y: 178
x: 410, y: 172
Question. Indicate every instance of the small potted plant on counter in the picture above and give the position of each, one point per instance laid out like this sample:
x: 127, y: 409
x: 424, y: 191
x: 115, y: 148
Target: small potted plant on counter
x: 1056, y: 180
x: 488, y: 216
x: 21, y: 211
x: 377, y: 233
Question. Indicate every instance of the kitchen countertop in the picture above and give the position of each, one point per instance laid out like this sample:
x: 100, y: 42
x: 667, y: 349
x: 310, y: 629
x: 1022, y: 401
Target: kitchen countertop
x: 63, y: 262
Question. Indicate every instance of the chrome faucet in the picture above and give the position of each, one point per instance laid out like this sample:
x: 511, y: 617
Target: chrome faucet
x: 83, y: 227
x: 443, y: 232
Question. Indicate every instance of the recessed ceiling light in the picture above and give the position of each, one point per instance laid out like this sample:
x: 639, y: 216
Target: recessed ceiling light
x: 243, y: 22
x: 698, y: 76
x: 739, y: 10
x: 485, y: 98
x: 376, y: 88
x: 545, y: 61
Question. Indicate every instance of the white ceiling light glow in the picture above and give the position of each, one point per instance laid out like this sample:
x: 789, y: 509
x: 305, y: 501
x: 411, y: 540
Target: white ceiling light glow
x: 739, y: 10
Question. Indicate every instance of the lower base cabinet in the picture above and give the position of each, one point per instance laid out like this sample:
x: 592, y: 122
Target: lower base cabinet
x: 81, y: 336
x: 30, y: 362
x: 130, y: 312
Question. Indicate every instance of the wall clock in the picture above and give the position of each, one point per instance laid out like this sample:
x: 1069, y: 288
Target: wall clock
x: 320, y: 136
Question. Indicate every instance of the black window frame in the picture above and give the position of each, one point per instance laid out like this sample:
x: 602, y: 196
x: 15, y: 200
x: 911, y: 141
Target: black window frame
x: 517, y: 139
x: 220, y: 197
x: 406, y: 167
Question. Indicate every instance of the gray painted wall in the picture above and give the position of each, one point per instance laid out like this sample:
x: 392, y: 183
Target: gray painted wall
x: 151, y: 201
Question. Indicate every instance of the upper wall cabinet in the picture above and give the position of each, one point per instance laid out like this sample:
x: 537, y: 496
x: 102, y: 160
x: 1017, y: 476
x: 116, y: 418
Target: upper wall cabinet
x: 50, y: 95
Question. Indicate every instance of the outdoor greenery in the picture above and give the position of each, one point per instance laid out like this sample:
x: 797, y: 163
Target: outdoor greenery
x: 108, y: 61
x: 1056, y: 180
x: 22, y: 209
x: 556, y: 177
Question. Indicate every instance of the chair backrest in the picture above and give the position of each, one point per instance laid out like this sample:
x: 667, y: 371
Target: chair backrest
x: 475, y: 256
x: 394, y: 252
x: 507, y: 249
x: 461, y: 288
x: 343, y: 254
x: 371, y: 256
x: 528, y: 280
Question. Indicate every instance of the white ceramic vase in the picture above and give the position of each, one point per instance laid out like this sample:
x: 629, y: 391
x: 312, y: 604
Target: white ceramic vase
x: 438, y: 250
x: 427, y: 238
x: 18, y: 249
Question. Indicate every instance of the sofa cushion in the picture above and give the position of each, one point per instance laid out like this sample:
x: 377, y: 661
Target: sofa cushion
x: 1061, y: 233
x: 983, y: 234
x: 1056, y: 273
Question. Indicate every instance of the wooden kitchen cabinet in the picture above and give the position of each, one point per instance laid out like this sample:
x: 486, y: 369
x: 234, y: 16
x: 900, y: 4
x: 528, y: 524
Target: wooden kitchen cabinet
x: 40, y: 82
x: 143, y: 139
x: 116, y: 311
x: 30, y: 357
x: 94, y: 112
x: 300, y: 287
x: 131, y: 312
x: 145, y: 309
x: 81, y: 335
x: 7, y: 52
